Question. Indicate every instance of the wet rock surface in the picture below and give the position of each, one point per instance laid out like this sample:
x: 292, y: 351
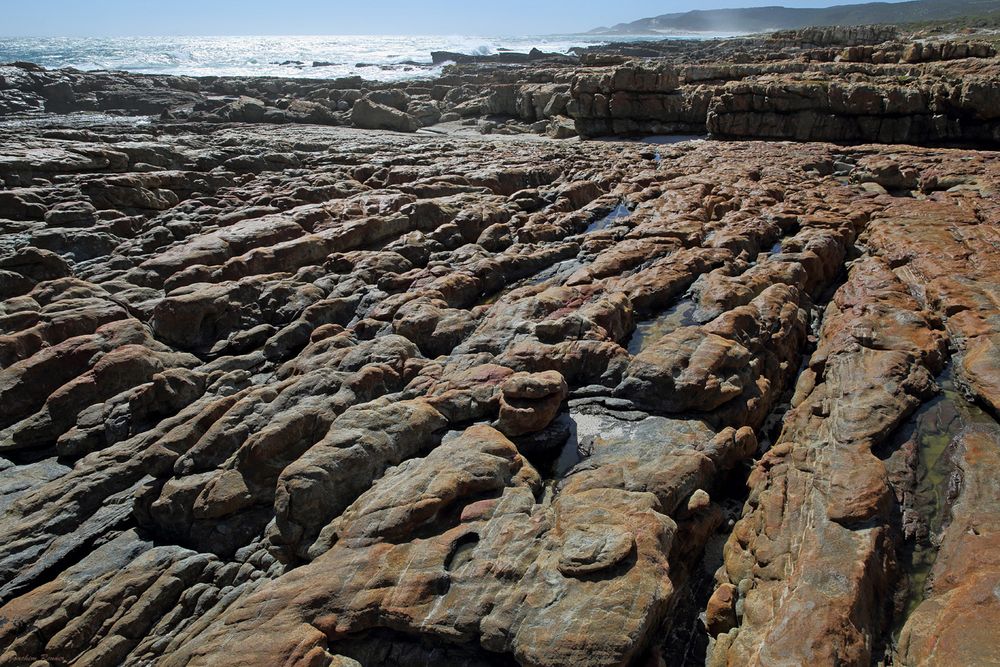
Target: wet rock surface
x: 823, y: 541
x: 287, y: 394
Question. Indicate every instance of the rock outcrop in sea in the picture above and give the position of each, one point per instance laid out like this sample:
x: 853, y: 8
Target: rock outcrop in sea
x: 338, y: 373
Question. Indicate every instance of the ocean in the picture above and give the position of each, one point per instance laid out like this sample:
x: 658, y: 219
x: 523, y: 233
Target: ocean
x: 381, y: 58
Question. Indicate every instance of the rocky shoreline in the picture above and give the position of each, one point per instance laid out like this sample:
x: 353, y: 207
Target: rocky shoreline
x: 281, y: 387
x: 838, y: 85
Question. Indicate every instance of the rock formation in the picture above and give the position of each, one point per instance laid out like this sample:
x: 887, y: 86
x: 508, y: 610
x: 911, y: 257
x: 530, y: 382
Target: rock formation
x: 279, y: 393
x: 823, y: 84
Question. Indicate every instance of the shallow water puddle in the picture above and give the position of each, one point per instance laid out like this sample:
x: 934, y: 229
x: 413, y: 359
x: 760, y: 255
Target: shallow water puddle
x: 935, y: 427
x: 649, y: 331
x: 619, y: 212
x: 587, y: 433
x: 558, y: 270
x: 556, y: 465
x: 667, y: 139
x: 570, y: 453
x: 86, y: 120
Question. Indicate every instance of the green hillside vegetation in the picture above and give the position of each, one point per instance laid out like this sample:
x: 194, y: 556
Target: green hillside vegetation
x: 761, y: 19
x: 989, y: 21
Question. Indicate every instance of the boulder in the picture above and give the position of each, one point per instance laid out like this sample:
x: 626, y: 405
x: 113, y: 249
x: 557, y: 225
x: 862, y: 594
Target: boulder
x: 374, y: 116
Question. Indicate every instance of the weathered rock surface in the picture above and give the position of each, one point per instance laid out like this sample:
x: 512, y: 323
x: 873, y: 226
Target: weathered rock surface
x: 952, y: 625
x: 308, y: 395
x: 372, y: 115
x: 847, y: 84
x: 818, y: 553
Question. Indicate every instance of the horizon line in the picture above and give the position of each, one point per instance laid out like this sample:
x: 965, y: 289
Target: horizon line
x: 341, y: 34
x: 594, y: 33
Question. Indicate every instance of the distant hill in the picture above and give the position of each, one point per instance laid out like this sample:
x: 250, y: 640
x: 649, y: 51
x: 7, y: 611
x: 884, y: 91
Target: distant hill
x: 762, y: 19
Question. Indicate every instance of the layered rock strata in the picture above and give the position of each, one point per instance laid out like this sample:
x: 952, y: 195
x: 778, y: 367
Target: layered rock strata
x: 811, y: 569
x: 842, y: 85
x: 323, y: 396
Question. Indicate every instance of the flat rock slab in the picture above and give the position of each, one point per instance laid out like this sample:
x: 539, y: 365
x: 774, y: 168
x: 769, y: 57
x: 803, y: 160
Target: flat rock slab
x: 321, y: 396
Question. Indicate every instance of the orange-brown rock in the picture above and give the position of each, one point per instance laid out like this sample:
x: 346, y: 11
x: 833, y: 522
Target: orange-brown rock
x: 953, y: 623
x: 309, y: 395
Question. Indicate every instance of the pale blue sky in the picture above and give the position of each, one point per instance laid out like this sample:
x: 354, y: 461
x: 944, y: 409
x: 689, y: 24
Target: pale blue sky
x: 72, y: 18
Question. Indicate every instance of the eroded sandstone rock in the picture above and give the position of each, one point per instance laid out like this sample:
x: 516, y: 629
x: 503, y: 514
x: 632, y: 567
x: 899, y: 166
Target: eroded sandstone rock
x: 344, y: 397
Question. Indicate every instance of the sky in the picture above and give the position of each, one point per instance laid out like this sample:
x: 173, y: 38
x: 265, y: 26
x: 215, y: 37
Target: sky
x: 113, y: 18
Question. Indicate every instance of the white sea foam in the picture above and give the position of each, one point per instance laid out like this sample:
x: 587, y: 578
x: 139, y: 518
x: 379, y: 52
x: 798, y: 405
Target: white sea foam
x: 384, y: 58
